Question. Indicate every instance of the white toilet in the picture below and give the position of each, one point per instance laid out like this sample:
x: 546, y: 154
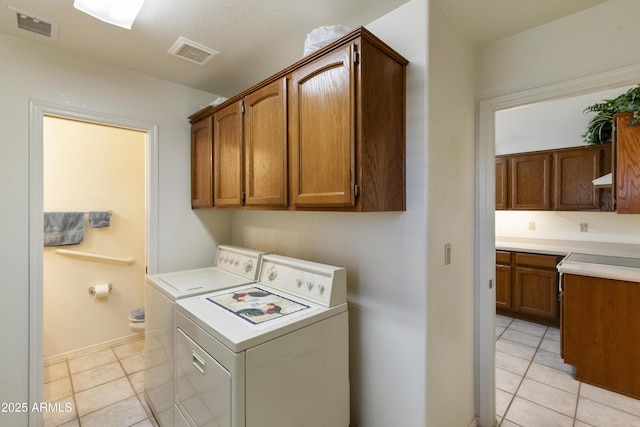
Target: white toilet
x: 136, y: 320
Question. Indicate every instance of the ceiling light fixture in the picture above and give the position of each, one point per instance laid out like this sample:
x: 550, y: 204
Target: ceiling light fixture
x: 116, y: 12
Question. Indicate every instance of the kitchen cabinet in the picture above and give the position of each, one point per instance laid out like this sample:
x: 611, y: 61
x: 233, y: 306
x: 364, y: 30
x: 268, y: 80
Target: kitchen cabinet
x: 527, y: 286
x: 574, y: 171
x: 250, y: 149
x: 627, y: 164
x: 530, y: 181
x: 558, y: 179
x: 327, y: 133
x: 504, y: 273
x: 600, y: 320
x: 201, y: 164
x: 502, y: 181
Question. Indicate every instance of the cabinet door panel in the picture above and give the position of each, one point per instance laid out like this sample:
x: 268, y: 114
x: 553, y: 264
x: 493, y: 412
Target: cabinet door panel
x: 265, y: 145
x: 322, y: 132
x: 574, y: 171
x: 536, y: 292
x: 531, y: 182
x: 201, y: 166
x: 503, y: 286
x: 627, y: 179
x: 227, y: 156
x: 501, y: 183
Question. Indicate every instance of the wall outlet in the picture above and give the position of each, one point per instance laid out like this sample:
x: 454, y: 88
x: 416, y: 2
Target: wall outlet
x: 583, y: 227
x: 532, y: 225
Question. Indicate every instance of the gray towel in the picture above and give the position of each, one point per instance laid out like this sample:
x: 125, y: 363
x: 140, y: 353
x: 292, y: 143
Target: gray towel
x: 63, y: 228
x: 99, y: 219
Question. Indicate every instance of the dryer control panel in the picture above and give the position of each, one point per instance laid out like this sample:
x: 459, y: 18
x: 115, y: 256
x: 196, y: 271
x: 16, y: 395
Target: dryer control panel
x: 241, y: 261
x: 320, y: 283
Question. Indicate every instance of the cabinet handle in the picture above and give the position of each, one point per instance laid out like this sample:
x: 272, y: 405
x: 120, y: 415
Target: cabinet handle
x: 356, y: 190
x: 198, y: 362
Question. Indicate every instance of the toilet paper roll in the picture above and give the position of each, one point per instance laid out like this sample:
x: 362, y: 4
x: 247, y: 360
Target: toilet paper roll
x: 101, y: 291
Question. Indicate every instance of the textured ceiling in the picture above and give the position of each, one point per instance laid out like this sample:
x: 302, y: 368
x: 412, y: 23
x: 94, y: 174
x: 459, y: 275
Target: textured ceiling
x: 255, y: 38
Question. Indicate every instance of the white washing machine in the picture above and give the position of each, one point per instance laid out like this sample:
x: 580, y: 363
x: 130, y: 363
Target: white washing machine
x: 270, y: 354
x: 233, y: 266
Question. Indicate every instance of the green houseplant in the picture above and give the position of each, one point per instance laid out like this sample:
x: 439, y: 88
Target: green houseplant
x: 600, y: 127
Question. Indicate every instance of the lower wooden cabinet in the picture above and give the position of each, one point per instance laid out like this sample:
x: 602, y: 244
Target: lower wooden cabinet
x: 527, y: 286
x: 600, y: 324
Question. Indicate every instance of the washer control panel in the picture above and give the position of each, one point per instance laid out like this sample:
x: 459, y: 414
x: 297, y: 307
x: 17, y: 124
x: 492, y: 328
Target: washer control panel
x: 241, y: 261
x: 320, y: 283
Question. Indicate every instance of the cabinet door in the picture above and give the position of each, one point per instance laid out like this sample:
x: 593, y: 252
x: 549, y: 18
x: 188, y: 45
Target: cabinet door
x: 322, y: 131
x: 574, y: 171
x: 501, y: 183
x: 503, y: 286
x: 227, y: 156
x: 627, y: 152
x: 265, y: 145
x: 536, y: 292
x: 201, y: 166
x: 530, y: 182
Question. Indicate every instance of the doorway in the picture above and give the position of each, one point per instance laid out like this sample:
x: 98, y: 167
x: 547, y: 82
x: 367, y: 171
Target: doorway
x: 39, y: 112
x: 485, y: 215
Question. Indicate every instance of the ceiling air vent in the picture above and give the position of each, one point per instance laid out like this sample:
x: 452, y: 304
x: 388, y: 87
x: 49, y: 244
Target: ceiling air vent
x: 192, y: 51
x: 33, y: 24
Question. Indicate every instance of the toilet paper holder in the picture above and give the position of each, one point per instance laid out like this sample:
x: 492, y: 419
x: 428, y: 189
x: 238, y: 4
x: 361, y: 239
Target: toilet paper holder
x: 92, y: 290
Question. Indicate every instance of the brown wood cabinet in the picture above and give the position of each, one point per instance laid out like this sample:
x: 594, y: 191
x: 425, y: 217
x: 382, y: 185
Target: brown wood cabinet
x: 574, y: 171
x: 600, y: 324
x: 347, y: 129
x: 250, y: 149
x: 558, y: 179
x: 527, y: 286
x: 626, y: 140
x: 201, y: 164
x: 504, y: 273
x: 331, y: 137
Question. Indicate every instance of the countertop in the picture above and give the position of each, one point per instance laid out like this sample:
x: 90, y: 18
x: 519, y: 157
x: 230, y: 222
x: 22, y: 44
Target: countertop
x: 606, y: 267
x: 565, y: 247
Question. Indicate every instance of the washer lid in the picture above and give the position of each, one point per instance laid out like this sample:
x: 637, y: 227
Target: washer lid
x: 180, y: 284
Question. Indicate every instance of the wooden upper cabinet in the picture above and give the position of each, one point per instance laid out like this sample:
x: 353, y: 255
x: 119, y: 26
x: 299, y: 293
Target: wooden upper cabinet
x: 627, y: 159
x: 322, y: 131
x: 530, y: 182
x: 201, y: 166
x: 265, y: 145
x: 227, y: 155
x: 347, y: 129
x: 559, y: 179
x: 326, y: 133
x: 502, y: 181
x: 574, y: 170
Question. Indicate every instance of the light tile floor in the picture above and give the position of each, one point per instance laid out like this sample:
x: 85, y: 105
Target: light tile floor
x: 534, y: 387
x: 103, y: 388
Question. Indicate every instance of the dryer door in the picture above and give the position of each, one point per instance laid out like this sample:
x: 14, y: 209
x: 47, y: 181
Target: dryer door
x: 203, y: 386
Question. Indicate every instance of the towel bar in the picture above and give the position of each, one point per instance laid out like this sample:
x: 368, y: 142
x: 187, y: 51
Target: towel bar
x: 129, y: 260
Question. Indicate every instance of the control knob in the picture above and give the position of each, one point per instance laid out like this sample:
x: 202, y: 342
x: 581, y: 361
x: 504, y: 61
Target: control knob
x: 248, y: 266
x: 272, y: 273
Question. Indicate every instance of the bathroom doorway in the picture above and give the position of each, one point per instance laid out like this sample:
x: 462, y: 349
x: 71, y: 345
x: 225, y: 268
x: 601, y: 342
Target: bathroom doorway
x: 91, y: 167
x: 93, y: 321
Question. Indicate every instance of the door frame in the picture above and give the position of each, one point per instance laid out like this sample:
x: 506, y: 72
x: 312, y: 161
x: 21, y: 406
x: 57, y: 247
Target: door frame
x: 485, y: 214
x: 37, y: 111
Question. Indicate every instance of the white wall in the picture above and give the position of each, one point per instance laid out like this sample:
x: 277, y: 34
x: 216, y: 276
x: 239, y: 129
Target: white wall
x: 43, y: 73
x: 395, y: 259
x: 384, y: 253
x: 451, y: 184
x: 597, y: 40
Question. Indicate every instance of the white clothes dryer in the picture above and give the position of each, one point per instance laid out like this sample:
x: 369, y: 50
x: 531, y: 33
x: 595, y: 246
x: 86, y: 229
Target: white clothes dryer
x: 233, y: 266
x: 270, y: 354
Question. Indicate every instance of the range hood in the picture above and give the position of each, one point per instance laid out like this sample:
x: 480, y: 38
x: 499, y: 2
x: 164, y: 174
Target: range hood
x: 605, y: 181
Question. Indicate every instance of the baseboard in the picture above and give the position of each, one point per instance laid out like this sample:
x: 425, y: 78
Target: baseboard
x: 56, y: 358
